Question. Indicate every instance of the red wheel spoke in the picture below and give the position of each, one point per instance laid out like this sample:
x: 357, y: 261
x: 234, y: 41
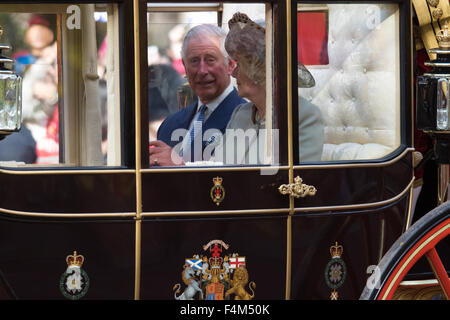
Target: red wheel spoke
x: 439, y: 271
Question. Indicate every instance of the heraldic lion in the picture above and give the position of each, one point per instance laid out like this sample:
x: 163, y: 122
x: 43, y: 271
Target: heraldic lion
x: 240, y: 280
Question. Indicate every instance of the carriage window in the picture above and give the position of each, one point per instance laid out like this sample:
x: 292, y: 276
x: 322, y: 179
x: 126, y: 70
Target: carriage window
x: 222, y: 66
x: 349, y: 83
x: 67, y: 55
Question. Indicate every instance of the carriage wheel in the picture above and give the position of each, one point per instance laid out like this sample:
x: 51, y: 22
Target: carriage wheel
x: 420, y: 240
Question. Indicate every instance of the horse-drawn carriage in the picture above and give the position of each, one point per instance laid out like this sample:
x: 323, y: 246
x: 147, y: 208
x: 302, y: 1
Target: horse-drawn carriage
x: 103, y: 222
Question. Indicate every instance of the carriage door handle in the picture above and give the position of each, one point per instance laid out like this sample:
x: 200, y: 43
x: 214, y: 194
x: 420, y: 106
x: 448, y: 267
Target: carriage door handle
x: 297, y: 189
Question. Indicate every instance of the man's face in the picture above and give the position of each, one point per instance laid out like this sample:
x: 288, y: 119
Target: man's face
x: 207, y: 72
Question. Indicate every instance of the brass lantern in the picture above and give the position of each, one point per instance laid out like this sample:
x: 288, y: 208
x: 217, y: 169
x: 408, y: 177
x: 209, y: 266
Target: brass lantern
x: 10, y: 95
x: 433, y: 108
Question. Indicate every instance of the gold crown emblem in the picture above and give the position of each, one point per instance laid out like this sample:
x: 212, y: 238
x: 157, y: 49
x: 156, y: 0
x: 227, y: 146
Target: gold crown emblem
x: 215, y: 262
x: 336, y: 250
x: 75, y: 260
x: 217, y: 180
x: 443, y: 37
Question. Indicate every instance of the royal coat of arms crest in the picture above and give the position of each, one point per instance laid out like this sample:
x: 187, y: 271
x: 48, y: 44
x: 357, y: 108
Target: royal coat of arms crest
x: 214, y: 275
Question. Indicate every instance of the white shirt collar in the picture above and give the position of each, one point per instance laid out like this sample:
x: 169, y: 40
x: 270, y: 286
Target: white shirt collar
x: 214, y: 104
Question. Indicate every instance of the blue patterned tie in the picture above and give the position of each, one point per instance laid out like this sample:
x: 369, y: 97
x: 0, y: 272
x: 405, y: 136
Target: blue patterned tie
x: 197, y: 125
x: 196, y: 129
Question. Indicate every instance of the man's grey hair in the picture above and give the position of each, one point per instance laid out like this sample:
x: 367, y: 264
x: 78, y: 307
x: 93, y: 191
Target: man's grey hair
x: 202, y: 31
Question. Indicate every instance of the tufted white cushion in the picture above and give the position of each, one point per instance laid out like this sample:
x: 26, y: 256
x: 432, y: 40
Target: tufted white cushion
x: 358, y: 91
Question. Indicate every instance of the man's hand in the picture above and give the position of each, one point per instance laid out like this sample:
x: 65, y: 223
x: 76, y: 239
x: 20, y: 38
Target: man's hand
x: 163, y: 155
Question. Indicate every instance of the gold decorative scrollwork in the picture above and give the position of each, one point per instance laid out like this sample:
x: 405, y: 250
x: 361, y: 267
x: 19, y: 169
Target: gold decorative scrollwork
x: 297, y: 189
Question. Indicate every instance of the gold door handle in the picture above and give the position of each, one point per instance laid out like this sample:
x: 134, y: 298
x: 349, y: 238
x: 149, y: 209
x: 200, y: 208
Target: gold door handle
x: 297, y: 189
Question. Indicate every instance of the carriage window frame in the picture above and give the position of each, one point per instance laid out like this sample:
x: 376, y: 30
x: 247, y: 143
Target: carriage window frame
x: 273, y: 157
x: 120, y: 122
x: 403, y: 78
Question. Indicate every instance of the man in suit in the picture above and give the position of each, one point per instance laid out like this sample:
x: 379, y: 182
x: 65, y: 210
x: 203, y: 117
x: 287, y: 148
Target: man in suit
x: 182, y: 136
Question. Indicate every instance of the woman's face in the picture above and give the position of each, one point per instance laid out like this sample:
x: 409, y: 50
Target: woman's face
x: 246, y: 86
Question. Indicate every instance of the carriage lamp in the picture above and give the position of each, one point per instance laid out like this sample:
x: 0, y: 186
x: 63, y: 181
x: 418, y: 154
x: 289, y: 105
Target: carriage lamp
x: 10, y: 95
x: 432, y: 107
x: 433, y: 99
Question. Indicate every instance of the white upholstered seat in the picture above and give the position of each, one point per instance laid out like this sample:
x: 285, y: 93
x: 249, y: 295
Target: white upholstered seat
x: 358, y: 92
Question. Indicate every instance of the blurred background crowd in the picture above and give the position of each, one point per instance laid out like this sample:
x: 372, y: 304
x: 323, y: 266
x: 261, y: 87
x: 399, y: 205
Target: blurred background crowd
x: 33, y: 38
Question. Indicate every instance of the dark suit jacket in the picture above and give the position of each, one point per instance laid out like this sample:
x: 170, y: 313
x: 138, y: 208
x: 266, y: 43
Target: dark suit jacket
x: 182, y: 119
x: 19, y: 146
